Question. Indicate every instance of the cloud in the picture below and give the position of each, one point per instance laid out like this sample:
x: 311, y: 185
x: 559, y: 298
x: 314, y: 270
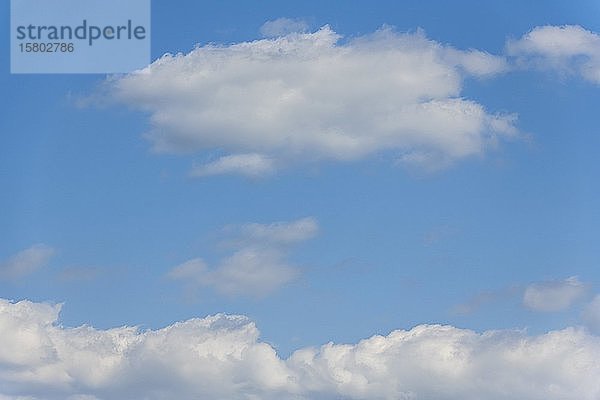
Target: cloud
x: 283, y: 27
x: 486, y: 297
x: 567, y: 49
x: 78, y: 274
x: 26, y: 262
x: 257, y: 266
x: 591, y: 315
x: 249, y: 271
x: 306, y: 97
x: 221, y: 356
x: 280, y: 232
x: 553, y: 295
x: 251, y: 165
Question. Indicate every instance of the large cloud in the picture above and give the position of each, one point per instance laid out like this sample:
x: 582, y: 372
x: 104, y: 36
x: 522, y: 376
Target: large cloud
x: 308, y: 96
x: 567, y: 49
x: 222, y: 357
x: 258, y: 264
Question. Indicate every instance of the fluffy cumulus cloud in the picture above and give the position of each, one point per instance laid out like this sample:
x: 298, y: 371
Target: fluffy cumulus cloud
x: 222, y: 357
x: 567, y: 49
x: 258, y: 264
x: 553, y: 295
x: 304, y: 97
x: 26, y: 262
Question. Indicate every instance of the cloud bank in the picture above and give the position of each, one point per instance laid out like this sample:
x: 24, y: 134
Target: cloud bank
x: 304, y: 97
x: 258, y: 264
x: 222, y: 357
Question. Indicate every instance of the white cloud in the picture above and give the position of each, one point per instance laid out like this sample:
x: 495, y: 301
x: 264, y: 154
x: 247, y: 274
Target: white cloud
x: 308, y: 97
x: 257, y: 266
x: 78, y: 274
x: 553, y: 295
x: 222, y: 357
x: 476, y: 62
x: 249, y: 271
x: 283, y: 27
x: 567, y: 49
x: 251, y: 165
x: 280, y: 232
x: 591, y: 315
x: 483, y: 298
x: 26, y: 262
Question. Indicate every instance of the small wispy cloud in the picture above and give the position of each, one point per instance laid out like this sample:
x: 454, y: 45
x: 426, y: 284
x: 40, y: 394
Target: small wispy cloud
x: 277, y: 232
x: 566, y: 49
x: 251, y: 165
x: 78, y: 274
x: 591, y: 315
x: 258, y: 264
x: 543, y: 296
x: 553, y: 296
x: 486, y: 297
x: 26, y: 262
x: 283, y: 26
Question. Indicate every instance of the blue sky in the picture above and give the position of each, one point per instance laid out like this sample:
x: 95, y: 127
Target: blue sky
x: 497, y: 238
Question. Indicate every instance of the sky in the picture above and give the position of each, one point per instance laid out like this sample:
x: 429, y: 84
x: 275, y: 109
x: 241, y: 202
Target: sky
x: 308, y: 200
